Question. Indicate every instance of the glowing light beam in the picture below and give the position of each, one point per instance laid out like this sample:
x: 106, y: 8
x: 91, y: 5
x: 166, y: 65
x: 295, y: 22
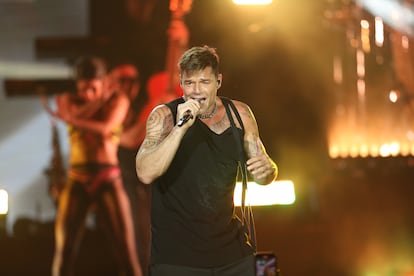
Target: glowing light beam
x: 4, y: 202
x: 252, y: 2
x: 276, y: 193
x: 394, y: 13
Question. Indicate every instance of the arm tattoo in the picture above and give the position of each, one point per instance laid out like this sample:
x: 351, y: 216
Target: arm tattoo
x: 252, y: 132
x: 159, y: 125
x: 246, y: 112
x: 251, y: 145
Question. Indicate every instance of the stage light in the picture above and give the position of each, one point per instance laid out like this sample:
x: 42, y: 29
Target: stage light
x: 276, y: 193
x: 4, y: 202
x: 379, y: 31
x: 252, y: 2
x: 13, y: 69
x: 4, y: 208
x: 397, y: 14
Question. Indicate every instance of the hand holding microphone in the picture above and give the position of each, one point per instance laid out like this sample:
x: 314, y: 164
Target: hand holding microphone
x: 185, y: 118
x: 191, y: 107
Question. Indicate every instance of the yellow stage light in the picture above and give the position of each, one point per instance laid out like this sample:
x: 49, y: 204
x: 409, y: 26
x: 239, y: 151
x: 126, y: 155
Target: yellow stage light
x: 4, y: 202
x: 252, y: 2
x: 276, y: 193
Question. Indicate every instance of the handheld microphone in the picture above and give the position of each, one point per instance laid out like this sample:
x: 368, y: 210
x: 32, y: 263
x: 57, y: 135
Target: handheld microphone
x: 186, y: 117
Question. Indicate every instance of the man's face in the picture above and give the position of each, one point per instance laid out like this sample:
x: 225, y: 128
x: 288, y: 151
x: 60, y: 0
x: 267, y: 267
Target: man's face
x: 90, y: 90
x: 201, y: 86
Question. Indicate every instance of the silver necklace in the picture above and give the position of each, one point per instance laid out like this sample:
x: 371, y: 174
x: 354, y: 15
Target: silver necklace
x: 210, y: 115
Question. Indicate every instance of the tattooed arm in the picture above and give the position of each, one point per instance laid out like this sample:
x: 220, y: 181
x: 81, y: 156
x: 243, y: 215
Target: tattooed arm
x: 260, y: 166
x: 159, y: 146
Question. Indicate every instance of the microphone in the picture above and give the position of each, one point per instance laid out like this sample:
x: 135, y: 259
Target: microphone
x: 186, y: 117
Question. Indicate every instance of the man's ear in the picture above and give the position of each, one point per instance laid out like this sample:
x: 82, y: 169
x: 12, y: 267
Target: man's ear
x: 219, y: 80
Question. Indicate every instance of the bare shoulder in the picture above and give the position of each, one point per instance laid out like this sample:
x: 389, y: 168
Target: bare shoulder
x: 244, y: 111
x: 67, y: 101
x: 160, y: 113
x: 160, y: 122
x: 119, y: 98
x: 118, y: 103
x: 65, y: 97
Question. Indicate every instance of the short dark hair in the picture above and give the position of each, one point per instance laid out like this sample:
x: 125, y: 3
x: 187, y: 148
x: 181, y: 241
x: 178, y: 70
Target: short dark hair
x: 89, y: 67
x: 199, y: 57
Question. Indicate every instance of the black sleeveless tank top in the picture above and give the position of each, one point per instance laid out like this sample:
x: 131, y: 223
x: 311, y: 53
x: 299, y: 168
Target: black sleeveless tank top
x: 193, y: 218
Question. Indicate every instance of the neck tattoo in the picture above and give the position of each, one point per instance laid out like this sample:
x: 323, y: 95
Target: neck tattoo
x: 210, y: 115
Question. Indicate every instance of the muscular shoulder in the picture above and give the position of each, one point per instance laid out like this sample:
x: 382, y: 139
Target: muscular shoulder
x: 245, y: 112
x: 249, y: 121
x: 160, y: 120
x: 241, y: 106
x: 161, y: 111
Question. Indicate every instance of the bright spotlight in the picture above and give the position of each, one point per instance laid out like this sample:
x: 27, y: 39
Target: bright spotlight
x: 4, y: 202
x: 276, y: 193
x: 252, y: 2
x: 4, y: 208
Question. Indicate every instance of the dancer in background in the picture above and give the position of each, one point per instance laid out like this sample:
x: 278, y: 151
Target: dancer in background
x: 126, y: 77
x: 94, y: 116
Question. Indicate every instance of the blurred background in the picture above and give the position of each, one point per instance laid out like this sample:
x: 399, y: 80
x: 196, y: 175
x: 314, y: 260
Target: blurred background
x: 331, y: 83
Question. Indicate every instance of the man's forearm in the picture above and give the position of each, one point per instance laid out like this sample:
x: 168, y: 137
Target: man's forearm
x: 153, y: 161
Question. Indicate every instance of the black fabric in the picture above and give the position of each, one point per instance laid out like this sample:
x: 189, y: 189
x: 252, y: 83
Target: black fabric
x: 244, y: 267
x: 247, y: 212
x: 193, y: 217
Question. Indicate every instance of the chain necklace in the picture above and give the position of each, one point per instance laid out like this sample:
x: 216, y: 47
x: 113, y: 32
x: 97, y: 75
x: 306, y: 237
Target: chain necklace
x: 210, y: 115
